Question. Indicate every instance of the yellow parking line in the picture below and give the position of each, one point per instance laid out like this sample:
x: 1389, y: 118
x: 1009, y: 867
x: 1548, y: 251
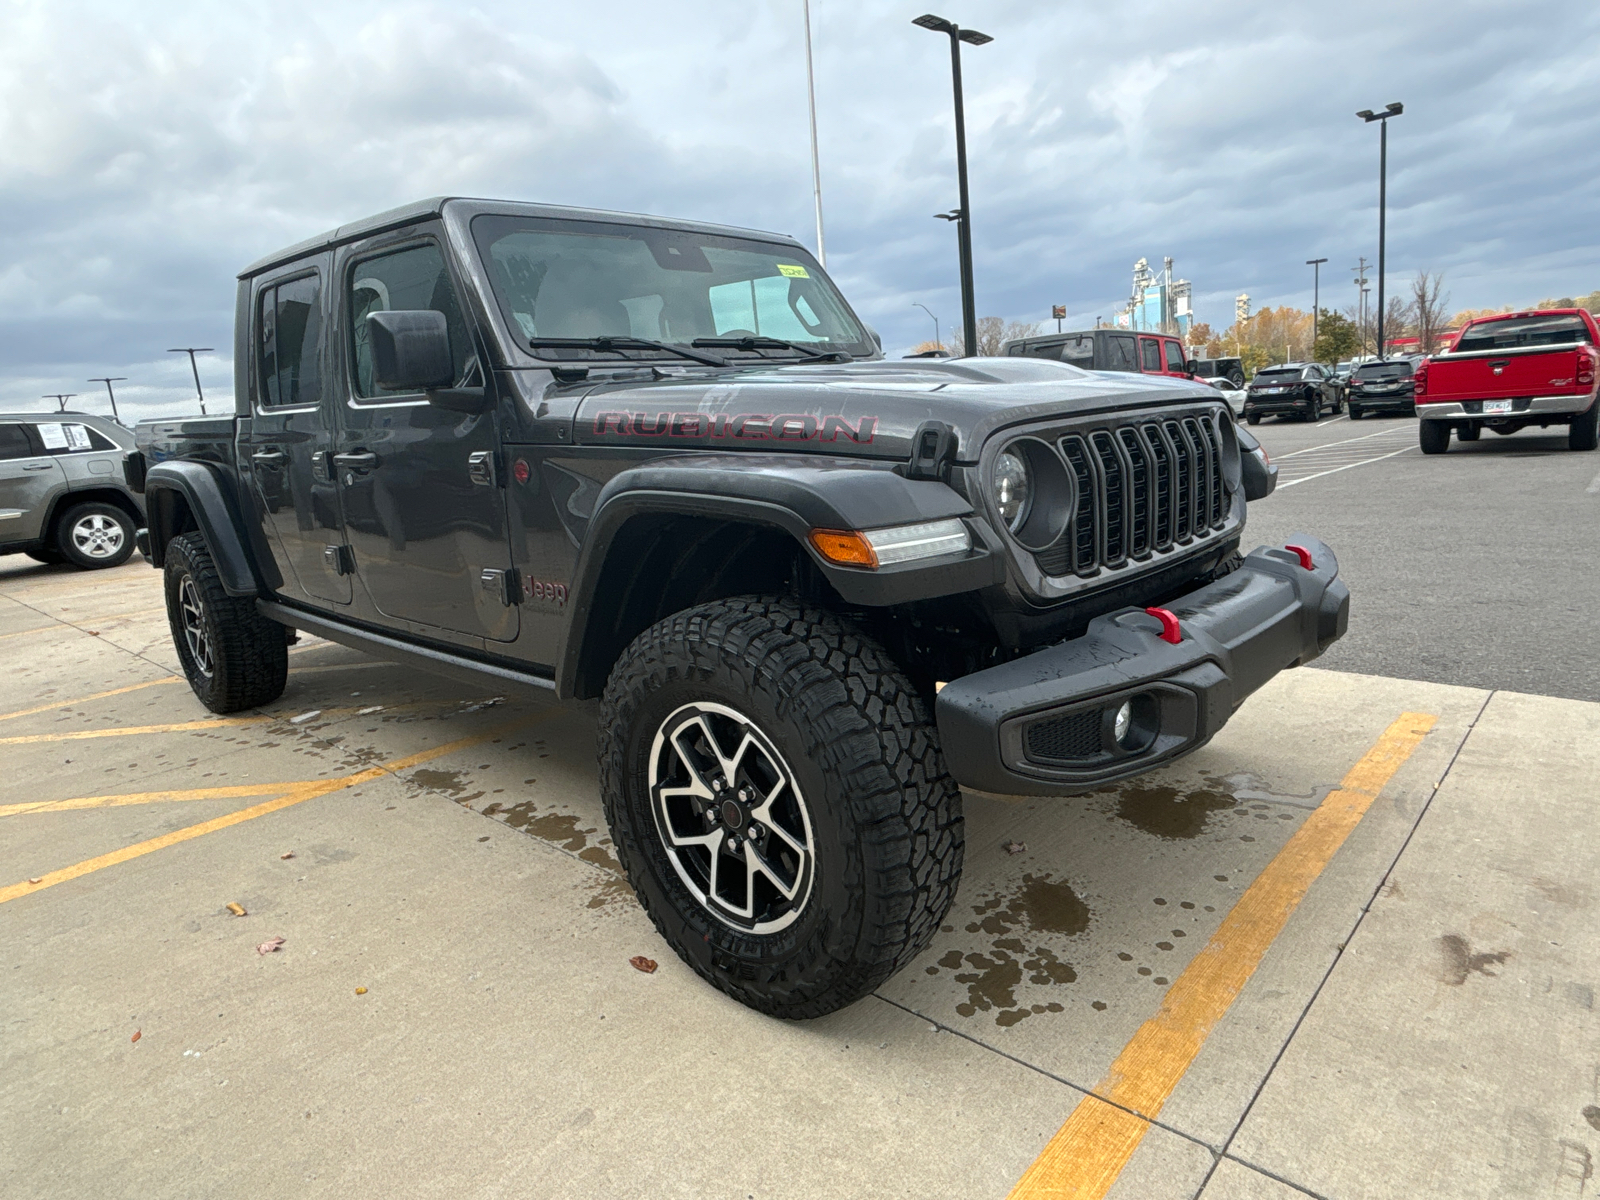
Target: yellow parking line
x: 1086, y: 1155
x: 126, y: 798
x: 301, y: 793
x: 28, y: 712
x: 35, y: 629
x: 78, y: 735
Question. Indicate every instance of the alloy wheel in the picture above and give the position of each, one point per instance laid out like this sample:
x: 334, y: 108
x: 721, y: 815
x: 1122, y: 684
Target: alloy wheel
x: 731, y: 818
x: 194, y: 627
x: 97, y: 536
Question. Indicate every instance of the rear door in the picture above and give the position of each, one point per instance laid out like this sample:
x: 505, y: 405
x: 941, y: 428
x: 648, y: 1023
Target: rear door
x: 29, y: 480
x: 423, y: 487
x: 288, y: 449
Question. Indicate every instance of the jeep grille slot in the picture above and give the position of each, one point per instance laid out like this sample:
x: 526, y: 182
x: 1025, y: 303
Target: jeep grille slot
x: 1064, y: 739
x: 1142, y: 489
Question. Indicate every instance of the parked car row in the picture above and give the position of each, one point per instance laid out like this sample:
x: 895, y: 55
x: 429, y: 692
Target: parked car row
x: 64, y: 495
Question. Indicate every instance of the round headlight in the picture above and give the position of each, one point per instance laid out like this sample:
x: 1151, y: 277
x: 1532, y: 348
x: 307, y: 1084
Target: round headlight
x: 1012, y: 487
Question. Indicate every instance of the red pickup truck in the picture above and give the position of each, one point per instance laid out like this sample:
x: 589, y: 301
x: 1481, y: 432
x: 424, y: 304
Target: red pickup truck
x: 1510, y: 371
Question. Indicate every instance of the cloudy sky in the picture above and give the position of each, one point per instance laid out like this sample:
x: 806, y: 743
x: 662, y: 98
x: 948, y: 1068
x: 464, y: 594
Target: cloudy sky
x: 148, y: 151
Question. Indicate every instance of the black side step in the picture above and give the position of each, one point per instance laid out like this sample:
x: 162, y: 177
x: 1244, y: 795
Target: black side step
x: 426, y: 658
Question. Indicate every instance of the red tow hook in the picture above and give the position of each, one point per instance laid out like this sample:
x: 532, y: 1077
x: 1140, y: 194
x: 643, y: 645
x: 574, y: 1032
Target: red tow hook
x: 1304, y: 556
x: 1169, y: 625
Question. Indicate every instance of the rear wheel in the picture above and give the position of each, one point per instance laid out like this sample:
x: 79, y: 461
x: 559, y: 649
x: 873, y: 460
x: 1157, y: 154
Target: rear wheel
x: 1253, y: 418
x: 1434, y: 436
x: 1355, y: 412
x: 1468, y: 431
x: 233, y: 657
x: 94, y: 535
x: 1584, y: 432
x: 776, y: 794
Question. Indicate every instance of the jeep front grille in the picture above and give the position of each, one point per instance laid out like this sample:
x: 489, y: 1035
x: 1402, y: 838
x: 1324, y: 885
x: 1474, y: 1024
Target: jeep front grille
x: 1142, y: 488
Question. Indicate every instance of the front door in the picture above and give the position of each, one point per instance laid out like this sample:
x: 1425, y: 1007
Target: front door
x: 423, y: 487
x: 1150, y: 356
x: 28, y: 480
x: 289, y: 447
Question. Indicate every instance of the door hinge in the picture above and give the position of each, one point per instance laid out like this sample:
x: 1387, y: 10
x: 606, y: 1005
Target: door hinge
x: 481, y: 468
x: 504, y: 586
x: 341, y: 560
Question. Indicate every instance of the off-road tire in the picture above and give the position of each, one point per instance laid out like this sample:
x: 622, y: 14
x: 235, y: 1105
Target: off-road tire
x: 885, y: 815
x: 1468, y: 431
x: 112, y: 545
x: 249, y: 655
x: 1433, y: 436
x: 1584, y: 432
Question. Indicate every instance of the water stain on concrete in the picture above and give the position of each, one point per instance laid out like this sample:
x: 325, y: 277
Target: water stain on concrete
x: 448, y: 782
x: 1458, y: 961
x: 561, y: 829
x: 607, y: 892
x: 1041, y: 904
x: 1591, y: 1114
x: 1169, y: 813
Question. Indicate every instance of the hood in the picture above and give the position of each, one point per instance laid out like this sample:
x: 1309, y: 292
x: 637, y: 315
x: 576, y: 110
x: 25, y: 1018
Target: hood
x: 869, y: 409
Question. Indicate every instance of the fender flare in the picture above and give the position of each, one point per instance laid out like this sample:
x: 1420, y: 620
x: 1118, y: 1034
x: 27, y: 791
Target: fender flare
x: 793, y: 495
x: 200, y: 488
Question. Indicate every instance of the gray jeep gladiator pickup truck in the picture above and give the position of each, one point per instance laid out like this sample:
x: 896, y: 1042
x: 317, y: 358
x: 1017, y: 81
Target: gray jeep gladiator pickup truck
x: 664, y: 465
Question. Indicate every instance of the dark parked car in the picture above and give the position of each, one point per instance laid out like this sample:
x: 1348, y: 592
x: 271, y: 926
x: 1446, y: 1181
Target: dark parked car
x: 815, y: 592
x: 1386, y: 386
x: 1300, y: 390
x: 1107, y: 350
x: 64, y: 496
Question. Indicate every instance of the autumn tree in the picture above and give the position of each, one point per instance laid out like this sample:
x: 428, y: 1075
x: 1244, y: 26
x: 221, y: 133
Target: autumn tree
x: 1337, y: 338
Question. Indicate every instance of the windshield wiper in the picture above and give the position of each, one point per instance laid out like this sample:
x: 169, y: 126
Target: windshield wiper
x: 617, y: 343
x: 759, y: 341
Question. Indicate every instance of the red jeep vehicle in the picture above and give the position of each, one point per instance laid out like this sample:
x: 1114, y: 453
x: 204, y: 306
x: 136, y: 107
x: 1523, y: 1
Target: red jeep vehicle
x: 1510, y: 371
x: 1109, y: 350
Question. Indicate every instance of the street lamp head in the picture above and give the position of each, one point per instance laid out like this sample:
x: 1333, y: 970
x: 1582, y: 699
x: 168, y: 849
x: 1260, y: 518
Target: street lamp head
x: 953, y: 215
x: 1390, y: 110
x: 973, y: 38
x: 1395, y: 108
x: 1311, y: 262
x: 937, y: 24
x: 1366, y: 114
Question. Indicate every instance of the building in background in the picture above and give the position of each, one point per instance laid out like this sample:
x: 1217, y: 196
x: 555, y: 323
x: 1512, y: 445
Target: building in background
x: 1158, y: 303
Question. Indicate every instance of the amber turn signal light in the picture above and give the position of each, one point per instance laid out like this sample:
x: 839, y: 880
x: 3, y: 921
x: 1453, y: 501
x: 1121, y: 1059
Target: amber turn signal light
x: 844, y: 547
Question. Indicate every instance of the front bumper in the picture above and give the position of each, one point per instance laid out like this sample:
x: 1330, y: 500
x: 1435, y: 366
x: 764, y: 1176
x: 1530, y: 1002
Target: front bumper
x: 1044, y: 725
x: 1522, y: 406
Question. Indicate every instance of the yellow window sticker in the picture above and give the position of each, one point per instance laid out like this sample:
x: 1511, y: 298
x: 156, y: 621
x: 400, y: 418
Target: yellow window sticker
x: 792, y: 271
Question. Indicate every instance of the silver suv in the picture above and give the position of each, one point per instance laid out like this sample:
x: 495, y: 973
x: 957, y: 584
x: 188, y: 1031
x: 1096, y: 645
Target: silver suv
x: 64, y: 496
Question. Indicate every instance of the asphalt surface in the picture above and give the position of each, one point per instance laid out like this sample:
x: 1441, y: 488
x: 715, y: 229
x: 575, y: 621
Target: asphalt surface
x: 1476, y: 567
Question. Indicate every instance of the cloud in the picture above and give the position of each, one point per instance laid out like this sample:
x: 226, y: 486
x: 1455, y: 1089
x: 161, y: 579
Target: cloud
x: 147, y: 154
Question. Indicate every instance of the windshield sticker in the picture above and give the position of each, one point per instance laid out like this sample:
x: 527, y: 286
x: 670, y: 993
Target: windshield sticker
x: 77, y: 437
x: 785, y: 427
x: 52, y: 437
x: 793, y: 272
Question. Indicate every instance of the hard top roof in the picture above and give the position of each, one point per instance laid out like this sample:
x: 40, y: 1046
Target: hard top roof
x: 435, y: 206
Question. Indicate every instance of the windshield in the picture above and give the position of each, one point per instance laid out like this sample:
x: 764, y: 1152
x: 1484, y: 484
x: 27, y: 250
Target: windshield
x: 571, y: 280
x: 1524, y: 331
x: 1395, y: 368
x: 1289, y: 375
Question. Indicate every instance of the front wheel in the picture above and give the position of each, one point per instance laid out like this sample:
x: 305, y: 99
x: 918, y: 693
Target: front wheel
x: 1434, y: 436
x: 775, y: 791
x: 1584, y: 432
x: 233, y: 657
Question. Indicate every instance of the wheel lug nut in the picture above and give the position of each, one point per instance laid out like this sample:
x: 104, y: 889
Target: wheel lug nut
x: 744, y: 794
x: 756, y: 831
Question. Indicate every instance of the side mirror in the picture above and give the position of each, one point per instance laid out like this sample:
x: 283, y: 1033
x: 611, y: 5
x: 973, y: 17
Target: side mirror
x: 410, y: 350
x: 1191, y: 367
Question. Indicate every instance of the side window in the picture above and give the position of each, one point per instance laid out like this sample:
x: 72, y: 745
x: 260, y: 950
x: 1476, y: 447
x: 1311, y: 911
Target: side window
x: 14, y: 442
x: 1174, y: 357
x: 1122, y: 355
x: 1044, y: 350
x: 290, y: 341
x: 63, y: 437
x: 413, y: 278
x: 1150, y: 351
x: 99, y: 441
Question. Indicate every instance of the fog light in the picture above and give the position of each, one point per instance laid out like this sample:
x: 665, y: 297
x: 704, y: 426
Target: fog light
x: 1122, y: 723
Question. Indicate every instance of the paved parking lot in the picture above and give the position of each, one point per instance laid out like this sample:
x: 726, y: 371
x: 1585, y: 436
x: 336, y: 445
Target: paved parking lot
x: 1346, y: 950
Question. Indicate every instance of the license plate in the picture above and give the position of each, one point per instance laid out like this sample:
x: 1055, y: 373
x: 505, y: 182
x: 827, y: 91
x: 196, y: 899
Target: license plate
x: 1490, y: 407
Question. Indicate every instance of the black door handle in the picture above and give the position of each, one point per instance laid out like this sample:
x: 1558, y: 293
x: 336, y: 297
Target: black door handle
x: 272, y: 458
x: 360, y: 459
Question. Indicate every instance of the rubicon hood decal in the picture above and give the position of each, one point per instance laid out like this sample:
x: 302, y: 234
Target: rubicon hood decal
x: 754, y: 427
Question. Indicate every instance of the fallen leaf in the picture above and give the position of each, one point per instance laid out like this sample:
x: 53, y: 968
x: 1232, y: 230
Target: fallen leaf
x: 137, y: 1034
x: 641, y: 963
x: 305, y: 716
x: 268, y: 946
x: 1016, y: 847
x: 92, y: 632
x: 236, y: 909
x: 361, y: 991
x: 289, y: 854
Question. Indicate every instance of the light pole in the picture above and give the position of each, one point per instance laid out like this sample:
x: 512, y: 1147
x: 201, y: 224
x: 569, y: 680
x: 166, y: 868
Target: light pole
x: 962, y: 215
x: 1367, y: 115
x: 1365, y: 292
x: 60, y: 398
x: 937, y: 344
x: 1316, y: 284
x: 191, y: 351
x: 816, y: 162
x: 108, y: 380
x: 1361, y: 313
